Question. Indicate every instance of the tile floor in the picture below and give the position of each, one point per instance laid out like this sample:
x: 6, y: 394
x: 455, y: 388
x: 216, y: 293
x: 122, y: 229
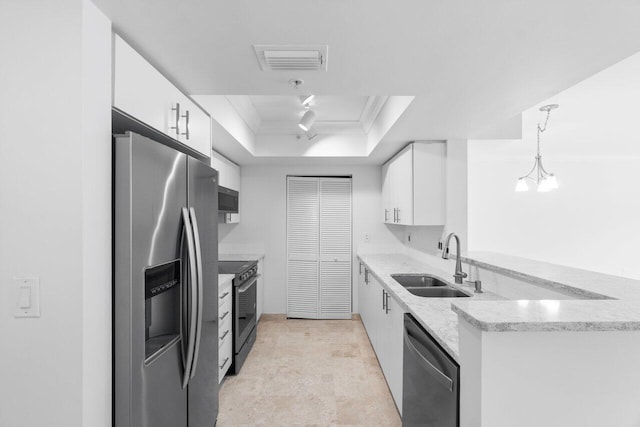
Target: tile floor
x: 308, y: 372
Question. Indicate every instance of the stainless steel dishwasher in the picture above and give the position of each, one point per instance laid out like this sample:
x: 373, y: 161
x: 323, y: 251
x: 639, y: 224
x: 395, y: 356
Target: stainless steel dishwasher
x: 431, y: 381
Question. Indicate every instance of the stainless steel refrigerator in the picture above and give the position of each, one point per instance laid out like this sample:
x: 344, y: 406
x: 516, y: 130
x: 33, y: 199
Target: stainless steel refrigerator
x: 165, y: 287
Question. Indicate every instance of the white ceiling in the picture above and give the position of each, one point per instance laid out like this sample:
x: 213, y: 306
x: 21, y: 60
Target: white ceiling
x: 472, y: 65
x: 275, y: 108
x: 280, y: 114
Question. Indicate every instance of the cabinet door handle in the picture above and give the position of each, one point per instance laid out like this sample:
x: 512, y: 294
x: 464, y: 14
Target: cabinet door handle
x: 177, y: 118
x: 360, y: 268
x: 366, y: 276
x: 224, y: 363
x: 386, y: 308
x: 384, y: 300
x: 386, y: 215
x: 186, y: 124
x: 226, y: 313
x: 398, y: 214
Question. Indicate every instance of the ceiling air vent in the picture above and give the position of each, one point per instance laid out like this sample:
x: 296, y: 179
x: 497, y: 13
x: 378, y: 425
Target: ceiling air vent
x: 292, y: 57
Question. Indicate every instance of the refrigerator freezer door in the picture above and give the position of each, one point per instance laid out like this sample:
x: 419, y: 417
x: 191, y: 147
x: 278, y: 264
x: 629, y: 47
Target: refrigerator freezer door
x: 150, y: 182
x: 203, y: 387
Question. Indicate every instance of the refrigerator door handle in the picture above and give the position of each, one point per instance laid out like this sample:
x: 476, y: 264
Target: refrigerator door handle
x: 196, y: 238
x: 187, y: 356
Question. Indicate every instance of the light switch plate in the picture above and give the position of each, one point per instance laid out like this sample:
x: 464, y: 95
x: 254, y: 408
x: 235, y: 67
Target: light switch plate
x: 26, y: 296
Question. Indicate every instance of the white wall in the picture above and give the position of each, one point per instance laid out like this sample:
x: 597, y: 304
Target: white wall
x: 55, y: 213
x: 263, y: 219
x: 96, y: 217
x: 592, y: 144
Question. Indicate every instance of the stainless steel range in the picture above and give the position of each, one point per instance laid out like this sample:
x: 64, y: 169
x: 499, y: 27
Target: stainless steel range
x: 244, y: 308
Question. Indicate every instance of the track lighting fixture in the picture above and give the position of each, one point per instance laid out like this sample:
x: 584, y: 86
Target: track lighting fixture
x: 307, y: 120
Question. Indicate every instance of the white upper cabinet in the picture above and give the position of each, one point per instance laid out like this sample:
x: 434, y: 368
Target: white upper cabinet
x: 142, y: 92
x: 228, y: 172
x: 413, y: 185
x: 229, y: 177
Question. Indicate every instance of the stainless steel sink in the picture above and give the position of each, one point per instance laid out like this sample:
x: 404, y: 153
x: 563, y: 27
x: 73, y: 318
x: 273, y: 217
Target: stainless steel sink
x: 442, y: 292
x: 418, y: 280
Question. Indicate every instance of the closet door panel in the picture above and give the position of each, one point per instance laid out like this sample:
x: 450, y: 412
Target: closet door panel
x: 303, y: 206
x: 319, y: 247
x: 335, y: 248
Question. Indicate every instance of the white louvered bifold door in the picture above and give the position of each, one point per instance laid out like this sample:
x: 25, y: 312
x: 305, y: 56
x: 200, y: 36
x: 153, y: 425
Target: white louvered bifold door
x: 335, y: 248
x: 303, y: 215
x: 319, y: 248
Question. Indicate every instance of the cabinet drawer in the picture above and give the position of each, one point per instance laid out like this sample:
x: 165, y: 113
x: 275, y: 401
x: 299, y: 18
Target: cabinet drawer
x: 224, y: 296
x: 225, y: 328
x: 225, y: 313
x: 224, y: 357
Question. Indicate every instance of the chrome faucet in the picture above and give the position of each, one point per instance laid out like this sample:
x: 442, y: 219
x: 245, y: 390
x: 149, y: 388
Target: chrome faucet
x: 458, y: 274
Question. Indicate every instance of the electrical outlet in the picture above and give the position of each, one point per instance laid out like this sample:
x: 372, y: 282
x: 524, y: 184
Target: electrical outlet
x: 409, y: 237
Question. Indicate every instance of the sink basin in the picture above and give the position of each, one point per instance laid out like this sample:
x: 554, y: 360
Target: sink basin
x: 418, y: 280
x: 435, y: 292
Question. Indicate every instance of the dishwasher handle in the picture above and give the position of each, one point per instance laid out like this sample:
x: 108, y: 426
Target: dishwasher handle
x: 435, y: 372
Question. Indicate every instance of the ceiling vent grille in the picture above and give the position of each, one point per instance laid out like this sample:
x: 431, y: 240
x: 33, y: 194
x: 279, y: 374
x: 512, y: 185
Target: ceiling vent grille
x: 292, y: 57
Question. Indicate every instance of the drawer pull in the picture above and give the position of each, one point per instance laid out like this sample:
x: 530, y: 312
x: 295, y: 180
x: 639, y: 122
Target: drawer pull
x: 224, y: 315
x: 224, y: 295
x: 224, y: 335
x: 224, y: 363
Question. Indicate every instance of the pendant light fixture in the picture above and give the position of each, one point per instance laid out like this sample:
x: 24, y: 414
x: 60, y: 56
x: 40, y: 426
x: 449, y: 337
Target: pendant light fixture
x: 543, y: 180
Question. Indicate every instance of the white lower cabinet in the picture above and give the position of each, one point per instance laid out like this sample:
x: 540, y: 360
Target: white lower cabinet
x: 225, y: 325
x: 260, y: 289
x: 383, y: 319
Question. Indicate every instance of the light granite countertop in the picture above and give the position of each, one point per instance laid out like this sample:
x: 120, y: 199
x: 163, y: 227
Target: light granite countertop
x: 551, y: 315
x: 222, y: 278
x: 557, y: 277
x: 240, y: 256
x: 434, y: 314
x: 611, y: 303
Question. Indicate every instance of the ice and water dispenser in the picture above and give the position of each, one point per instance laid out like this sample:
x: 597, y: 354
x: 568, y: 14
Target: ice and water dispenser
x: 162, y: 307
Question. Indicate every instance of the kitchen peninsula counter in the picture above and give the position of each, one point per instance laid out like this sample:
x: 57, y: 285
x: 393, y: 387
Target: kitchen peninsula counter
x: 532, y: 362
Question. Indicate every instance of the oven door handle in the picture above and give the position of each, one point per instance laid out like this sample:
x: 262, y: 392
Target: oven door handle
x: 244, y: 288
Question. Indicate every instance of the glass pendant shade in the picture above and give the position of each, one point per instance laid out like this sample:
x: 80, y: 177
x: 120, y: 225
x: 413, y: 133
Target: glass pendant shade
x: 553, y: 182
x: 544, y: 186
x: 522, y: 185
